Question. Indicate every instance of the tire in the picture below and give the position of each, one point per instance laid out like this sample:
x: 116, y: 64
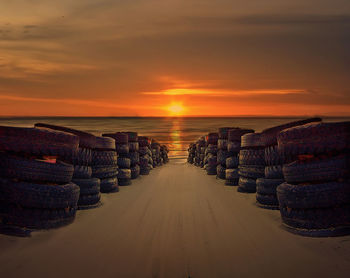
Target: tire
x: 134, y: 158
x: 212, y: 161
x: 270, y: 135
x: 86, y: 140
x: 246, y: 185
x: 314, y: 195
x: 122, y: 149
x: 211, y: 149
x: 221, y: 172
x: 232, y: 162
x: 105, y: 144
x: 88, y: 186
x: 124, y: 182
x: 83, y: 157
x: 252, y: 172
x: 270, y: 200
x: 119, y: 137
x: 234, y: 135
x: 143, y: 150
x: 132, y: 136
x: 82, y: 172
x: 250, y: 140
x: 267, y: 186
x: 274, y: 172
x: 317, y: 171
x: 104, y: 158
x: 87, y: 200
x: 135, y: 171
x: 318, y: 218
x: 231, y: 174
x: 222, y: 144
x: 38, y: 142
x: 109, y: 185
x: 273, y: 156
x: 252, y: 157
x: 39, y: 195
x: 143, y: 162
x: 233, y: 147
x: 213, y: 138
x: 34, y: 218
x: 314, y: 139
x: 143, y: 141
x: 144, y: 171
x: 223, y: 132
x: 124, y: 174
x: 222, y: 156
x: 124, y: 162
x: 233, y: 182
x: 104, y: 172
x: 211, y: 170
x: 33, y: 170
x: 133, y: 146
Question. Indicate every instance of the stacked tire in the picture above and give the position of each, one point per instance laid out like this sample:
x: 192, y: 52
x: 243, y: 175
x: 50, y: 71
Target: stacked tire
x: 266, y: 187
x: 145, y: 153
x: 200, y: 152
x: 233, y: 148
x: 155, y: 148
x: 36, y: 191
x: 211, y: 153
x: 315, y: 199
x: 222, y: 153
x: 251, y: 162
x: 134, y: 154
x: 105, y: 164
x: 191, y: 153
x: 164, y: 153
x: 89, y: 187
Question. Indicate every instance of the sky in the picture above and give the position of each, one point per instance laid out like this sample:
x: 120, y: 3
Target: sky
x: 178, y: 57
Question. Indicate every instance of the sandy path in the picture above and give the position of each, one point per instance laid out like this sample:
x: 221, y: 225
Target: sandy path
x: 176, y: 222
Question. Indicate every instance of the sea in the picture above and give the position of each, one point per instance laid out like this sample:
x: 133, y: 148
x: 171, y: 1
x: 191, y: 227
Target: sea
x: 175, y: 132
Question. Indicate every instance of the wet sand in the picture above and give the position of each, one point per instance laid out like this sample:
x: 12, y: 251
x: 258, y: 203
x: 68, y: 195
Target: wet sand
x: 176, y: 222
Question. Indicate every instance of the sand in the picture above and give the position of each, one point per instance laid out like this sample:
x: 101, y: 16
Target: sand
x: 176, y: 222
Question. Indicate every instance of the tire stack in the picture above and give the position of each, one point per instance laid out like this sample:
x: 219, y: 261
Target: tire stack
x: 222, y: 153
x: 266, y: 196
x: 164, y: 153
x: 251, y: 162
x: 155, y: 148
x: 105, y: 164
x: 211, y: 153
x: 36, y: 191
x: 315, y: 199
x: 145, y: 155
x: 233, y: 148
x: 89, y: 187
x: 134, y: 154
x: 192, y: 154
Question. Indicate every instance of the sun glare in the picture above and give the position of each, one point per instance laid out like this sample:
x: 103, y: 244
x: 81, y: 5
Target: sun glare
x: 175, y: 109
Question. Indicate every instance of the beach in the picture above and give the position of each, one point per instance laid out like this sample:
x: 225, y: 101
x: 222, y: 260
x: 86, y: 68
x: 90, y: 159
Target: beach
x: 176, y: 222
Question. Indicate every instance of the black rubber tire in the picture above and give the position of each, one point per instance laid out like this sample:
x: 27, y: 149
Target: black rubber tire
x: 318, y: 218
x: 317, y: 171
x: 246, y: 185
x: 124, y: 174
x: 104, y: 158
x: 270, y: 200
x: 252, y: 157
x: 270, y: 134
x: 222, y: 156
x: 39, y: 195
x: 34, y: 218
x: 234, y: 147
x: 135, y: 172
x: 124, y: 182
x: 232, y: 182
x: 234, y: 135
x: 222, y: 144
x: 231, y: 174
x: 82, y: 172
x: 88, y: 186
x: 211, y: 170
x: 212, y: 161
x: 109, y: 185
x: 253, y: 172
x: 122, y: 149
x: 83, y: 157
x: 86, y: 140
x: 104, y: 144
x: 267, y: 186
x: 38, y: 142
x: 144, y: 162
x: 124, y: 162
x: 213, y: 138
x: 223, y: 132
x: 232, y: 162
x: 33, y: 170
x: 119, y: 137
x: 87, y: 200
x: 103, y: 172
x: 143, y: 151
x: 134, y: 158
x: 143, y: 141
x: 314, y: 195
x: 273, y: 156
x: 314, y: 139
x: 144, y: 171
x: 132, y: 136
x: 250, y: 140
x: 221, y: 172
x: 274, y: 172
x: 213, y: 149
x: 133, y: 146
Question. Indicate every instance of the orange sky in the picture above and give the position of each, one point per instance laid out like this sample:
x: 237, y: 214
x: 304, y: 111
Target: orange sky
x: 155, y: 58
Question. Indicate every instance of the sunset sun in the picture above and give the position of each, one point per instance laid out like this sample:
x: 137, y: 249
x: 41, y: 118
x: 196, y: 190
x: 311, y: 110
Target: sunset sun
x: 175, y: 109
